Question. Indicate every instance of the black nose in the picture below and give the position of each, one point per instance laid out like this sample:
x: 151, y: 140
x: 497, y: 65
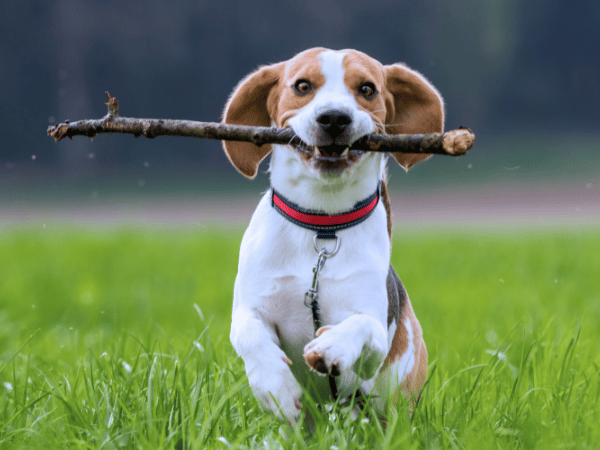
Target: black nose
x: 334, y: 122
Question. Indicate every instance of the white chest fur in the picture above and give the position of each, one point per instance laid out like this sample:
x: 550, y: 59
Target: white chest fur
x: 275, y: 271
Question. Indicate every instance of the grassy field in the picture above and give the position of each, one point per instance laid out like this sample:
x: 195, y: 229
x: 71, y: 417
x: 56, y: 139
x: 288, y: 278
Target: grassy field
x: 119, y: 339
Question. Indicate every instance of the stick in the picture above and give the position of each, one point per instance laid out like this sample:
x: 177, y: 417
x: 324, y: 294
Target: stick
x: 454, y: 143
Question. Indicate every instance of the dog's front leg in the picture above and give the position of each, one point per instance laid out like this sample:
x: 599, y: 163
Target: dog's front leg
x: 267, y: 366
x: 358, y: 343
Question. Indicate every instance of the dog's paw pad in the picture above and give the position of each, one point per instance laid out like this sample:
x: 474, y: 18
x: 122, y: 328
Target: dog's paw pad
x: 316, y: 361
x: 313, y: 358
x: 321, y: 367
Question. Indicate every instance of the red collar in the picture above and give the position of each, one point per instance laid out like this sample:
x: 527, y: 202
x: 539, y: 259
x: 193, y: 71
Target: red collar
x: 324, y: 223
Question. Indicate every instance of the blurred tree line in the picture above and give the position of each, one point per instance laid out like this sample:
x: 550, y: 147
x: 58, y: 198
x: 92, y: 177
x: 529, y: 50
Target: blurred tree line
x: 503, y: 66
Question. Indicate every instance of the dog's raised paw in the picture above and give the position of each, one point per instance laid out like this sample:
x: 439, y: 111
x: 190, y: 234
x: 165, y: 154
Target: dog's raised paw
x: 330, y: 353
x: 316, y: 361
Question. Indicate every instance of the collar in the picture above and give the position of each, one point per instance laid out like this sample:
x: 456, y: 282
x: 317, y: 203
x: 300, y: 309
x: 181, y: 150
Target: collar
x: 324, y: 224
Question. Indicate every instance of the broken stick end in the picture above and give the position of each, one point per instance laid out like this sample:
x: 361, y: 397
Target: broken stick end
x: 458, y: 142
x: 58, y: 132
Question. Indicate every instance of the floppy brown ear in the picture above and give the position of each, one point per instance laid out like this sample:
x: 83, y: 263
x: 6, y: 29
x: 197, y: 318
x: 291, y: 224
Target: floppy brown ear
x: 414, y: 106
x: 249, y: 105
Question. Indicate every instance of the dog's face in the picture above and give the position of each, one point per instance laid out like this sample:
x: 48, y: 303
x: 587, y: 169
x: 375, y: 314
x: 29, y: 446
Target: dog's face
x: 330, y: 99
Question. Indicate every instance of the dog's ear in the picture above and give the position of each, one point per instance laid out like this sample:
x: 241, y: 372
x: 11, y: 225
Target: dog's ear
x: 250, y: 104
x: 414, y: 106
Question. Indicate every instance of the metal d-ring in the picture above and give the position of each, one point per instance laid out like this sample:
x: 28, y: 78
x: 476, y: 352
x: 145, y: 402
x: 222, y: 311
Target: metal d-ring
x: 324, y: 250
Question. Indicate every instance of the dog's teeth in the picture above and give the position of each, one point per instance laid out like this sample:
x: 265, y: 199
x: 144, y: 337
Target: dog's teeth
x: 317, y: 151
x: 346, y: 152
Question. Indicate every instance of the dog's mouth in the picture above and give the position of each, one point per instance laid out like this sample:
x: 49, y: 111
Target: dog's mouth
x: 329, y: 160
x: 333, y: 153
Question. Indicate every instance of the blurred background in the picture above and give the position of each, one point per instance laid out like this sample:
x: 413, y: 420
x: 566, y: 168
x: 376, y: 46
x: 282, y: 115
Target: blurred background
x: 525, y: 76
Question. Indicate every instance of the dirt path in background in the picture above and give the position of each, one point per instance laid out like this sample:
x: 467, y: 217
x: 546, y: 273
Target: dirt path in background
x: 496, y: 205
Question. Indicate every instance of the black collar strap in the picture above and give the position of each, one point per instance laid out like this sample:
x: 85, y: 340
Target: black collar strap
x: 324, y: 224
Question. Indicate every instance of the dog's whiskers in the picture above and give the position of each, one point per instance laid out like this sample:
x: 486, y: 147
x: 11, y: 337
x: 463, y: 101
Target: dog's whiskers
x: 394, y: 125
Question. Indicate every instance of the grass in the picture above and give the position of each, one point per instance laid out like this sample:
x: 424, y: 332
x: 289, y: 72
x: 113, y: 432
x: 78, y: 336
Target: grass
x: 119, y: 339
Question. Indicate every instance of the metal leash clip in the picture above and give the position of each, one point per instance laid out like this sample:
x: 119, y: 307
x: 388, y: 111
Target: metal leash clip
x: 310, y: 297
x: 312, y: 293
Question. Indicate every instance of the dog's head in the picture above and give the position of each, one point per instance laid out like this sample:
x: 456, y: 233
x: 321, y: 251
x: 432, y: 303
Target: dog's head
x: 330, y: 99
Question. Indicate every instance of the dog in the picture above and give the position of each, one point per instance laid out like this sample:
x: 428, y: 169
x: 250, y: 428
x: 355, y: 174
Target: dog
x: 317, y: 306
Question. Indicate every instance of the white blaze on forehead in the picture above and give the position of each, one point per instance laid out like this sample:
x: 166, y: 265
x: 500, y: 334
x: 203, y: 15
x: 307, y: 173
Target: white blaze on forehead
x: 334, y: 93
x: 332, y: 66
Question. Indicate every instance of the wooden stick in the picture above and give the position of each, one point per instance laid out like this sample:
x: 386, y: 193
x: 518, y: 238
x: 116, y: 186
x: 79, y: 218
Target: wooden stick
x: 454, y: 143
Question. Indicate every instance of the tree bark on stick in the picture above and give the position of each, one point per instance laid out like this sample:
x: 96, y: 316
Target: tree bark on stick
x: 454, y: 142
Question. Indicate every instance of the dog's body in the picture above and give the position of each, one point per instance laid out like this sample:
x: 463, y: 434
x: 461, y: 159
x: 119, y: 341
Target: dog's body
x: 370, y: 338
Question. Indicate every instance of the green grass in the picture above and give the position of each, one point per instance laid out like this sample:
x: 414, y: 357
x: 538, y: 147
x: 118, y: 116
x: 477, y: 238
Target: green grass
x: 119, y: 339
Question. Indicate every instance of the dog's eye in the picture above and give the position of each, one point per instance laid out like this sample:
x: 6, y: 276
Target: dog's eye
x: 303, y: 87
x: 367, y: 90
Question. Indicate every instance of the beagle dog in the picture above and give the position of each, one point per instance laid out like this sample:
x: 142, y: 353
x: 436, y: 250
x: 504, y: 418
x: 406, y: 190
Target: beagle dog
x: 316, y: 302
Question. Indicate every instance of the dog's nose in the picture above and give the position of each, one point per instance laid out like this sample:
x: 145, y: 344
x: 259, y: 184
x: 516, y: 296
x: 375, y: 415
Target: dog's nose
x: 334, y: 122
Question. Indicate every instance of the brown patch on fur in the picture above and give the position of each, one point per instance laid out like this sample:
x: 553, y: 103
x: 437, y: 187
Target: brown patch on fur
x: 267, y: 95
x: 303, y: 66
x: 360, y: 68
x: 415, y: 379
x: 248, y: 105
x: 399, y: 346
x: 405, y: 101
x: 413, y: 106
